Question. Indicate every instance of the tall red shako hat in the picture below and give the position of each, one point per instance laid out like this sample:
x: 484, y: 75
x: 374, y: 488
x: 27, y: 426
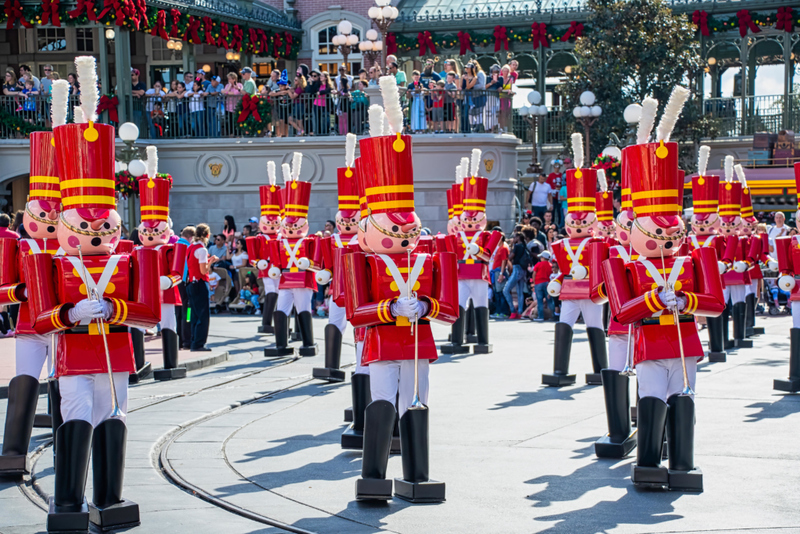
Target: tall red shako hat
x: 270, y: 195
x: 604, y: 201
x: 730, y: 194
x: 360, y: 176
x: 581, y: 183
x: 476, y: 187
x: 747, y: 202
x: 705, y: 188
x: 347, y: 180
x: 449, y: 194
x: 154, y: 193
x: 296, y: 194
x: 45, y: 183
x: 797, y: 182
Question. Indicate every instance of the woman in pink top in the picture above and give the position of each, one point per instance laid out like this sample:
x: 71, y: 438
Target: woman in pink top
x: 234, y: 90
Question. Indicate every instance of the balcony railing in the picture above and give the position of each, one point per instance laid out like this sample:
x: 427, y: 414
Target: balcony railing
x: 745, y: 116
x: 552, y: 126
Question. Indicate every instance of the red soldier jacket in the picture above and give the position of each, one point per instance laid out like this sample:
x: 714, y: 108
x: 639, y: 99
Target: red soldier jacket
x: 735, y: 250
x: 713, y: 241
x: 475, y: 267
x: 600, y: 251
x: 12, y: 274
x: 171, y: 261
x: 127, y: 282
x: 565, y: 250
x: 374, y: 282
x: 757, y: 247
x: 633, y: 298
x: 330, y: 252
x: 284, y: 254
x: 257, y: 250
x: 787, y: 249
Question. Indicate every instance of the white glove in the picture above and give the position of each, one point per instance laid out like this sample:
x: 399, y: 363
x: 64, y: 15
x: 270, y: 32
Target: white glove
x: 323, y: 277
x: 86, y: 309
x: 554, y: 288
x: 681, y: 303
x: 108, y: 309
x: 262, y: 264
x: 166, y: 282
x: 303, y: 264
x: 668, y: 298
x: 408, y: 308
x: 786, y: 282
x: 274, y: 273
x: 772, y: 265
x: 578, y: 272
x: 723, y: 268
x: 740, y: 266
x: 473, y: 249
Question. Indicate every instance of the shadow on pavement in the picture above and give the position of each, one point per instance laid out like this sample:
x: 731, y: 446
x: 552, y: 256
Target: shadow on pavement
x: 544, y: 393
x: 785, y: 405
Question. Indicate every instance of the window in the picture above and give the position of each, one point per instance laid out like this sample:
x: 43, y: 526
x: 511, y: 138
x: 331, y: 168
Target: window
x: 51, y: 39
x: 327, y: 56
x: 84, y: 39
x: 332, y: 67
x: 160, y: 52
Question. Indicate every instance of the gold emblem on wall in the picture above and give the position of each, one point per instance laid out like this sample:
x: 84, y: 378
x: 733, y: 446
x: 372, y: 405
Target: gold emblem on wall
x: 489, y: 164
x: 216, y: 168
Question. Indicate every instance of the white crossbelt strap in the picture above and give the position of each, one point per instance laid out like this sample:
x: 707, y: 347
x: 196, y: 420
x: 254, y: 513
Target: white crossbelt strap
x: 574, y: 256
x: 105, y: 277
x: 656, y: 275
x: 34, y: 246
x: 292, y: 252
x: 709, y: 240
x: 338, y: 239
x: 467, y: 243
x: 622, y: 253
x: 402, y: 285
x: 353, y: 240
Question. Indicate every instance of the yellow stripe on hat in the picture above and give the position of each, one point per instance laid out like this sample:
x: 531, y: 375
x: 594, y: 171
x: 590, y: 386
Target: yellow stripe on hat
x: 89, y: 199
x: 581, y: 199
x: 474, y: 201
x: 348, y: 197
x: 659, y: 207
x: 392, y: 204
x: 295, y: 214
x: 705, y: 210
x: 655, y: 194
x: 155, y: 208
x: 297, y: 206
x: 626, y: 204
x: 349, y: 206
x: 46, y: 193
x: 730, y: 206
x: 87, y: 182
x: 45, y: 179
x: 706, y: 202
x: 387, y: 189
x: 154, y: 217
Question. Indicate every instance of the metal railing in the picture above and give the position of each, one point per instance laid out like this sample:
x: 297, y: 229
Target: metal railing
x: 745, y: 116
x: 553, y: 126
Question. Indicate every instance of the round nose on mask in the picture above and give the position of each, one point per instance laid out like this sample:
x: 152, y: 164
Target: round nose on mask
x: 97, y: 225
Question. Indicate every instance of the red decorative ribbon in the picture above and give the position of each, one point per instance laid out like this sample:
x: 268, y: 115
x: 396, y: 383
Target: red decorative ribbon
x: 575, y: 30
x: 109, y: 104
x: 120, y: 12
x: 191, y: 30
x: 425, y: 43
x: 50, y: 13
x: 13, y: 10
x: 252, y: 40
x: 288, y: 40
x: 391, y: 44
x: 263, y: 42
x: 539, y: 35
x: 746, y: 22
x: 500, y: 38
x: 160, y: 29
x: 208, y: 29
x: 236, y: 37
x: 223, y: 35
x: 176, y: 18
x: 700, y: 19
x: 785, y: 19
x: 83, y: 6
x: 249, y: 106
x: 465, y: 42
x: 277, y: 43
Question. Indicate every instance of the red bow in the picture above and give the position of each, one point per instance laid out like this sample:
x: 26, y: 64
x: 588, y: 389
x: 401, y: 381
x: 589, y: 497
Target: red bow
x: 249, y: 106
x: 539, y: 35
x: 176, y: 17
x: 120, y: 12
x: 700, y: 19
x: 109, y: 104
x: 263, y: 42
x: 746, y: 22
x: 252, y: 40
x: 500, y: 38
x: 277, y: 43
x: 83, y: 5
x: 465, y: 40
x: 160, y: 29
x: 785, y: 19
x: 391, y: 44
x: 50, y: 13
x: 223, y: 35
x: 425, y: 43
x: 208, y: 29
x: 191, y: 30
x: 287, y: 40
x: 13, y: 10
x: 575, y: 29
x: 236, y: 39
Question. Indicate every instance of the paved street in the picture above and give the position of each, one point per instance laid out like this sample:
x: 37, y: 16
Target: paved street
x: 252, y: 443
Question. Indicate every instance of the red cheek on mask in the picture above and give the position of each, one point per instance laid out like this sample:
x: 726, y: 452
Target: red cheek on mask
x: 651, y: 245
x: 623, y: 236
x: 33, y: 227
x: 73, y: 241
x: 387, y: 243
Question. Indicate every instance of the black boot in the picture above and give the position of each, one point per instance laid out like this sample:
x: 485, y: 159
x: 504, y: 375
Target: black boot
x: 353, y: 437
x: 295, y: 333
x: 456, y: 345
x: 683, y: 475
x: 597, y: 348
x: 561, y: 350
x: 333, y: 356
x: 619, y: 441
x: 108, y: 510
x: 23, y: 393
x: 266, y: 316
x: 54, y: 398
x: 471, y: 325
x: 738, y: 326
x: 416, y: 485
x: 379, y: 420
x: 482, y: 326
x: 68, y: 509
x: 281, y: 348
x: 727, y: 342
x: 606, y: 316
x: 752, y: 305
x: 716, y: 344
x: 143, y: 368
x: 309, y: 348
x: 792, y: 384
x: 651, y: 418
x: 169, y: 347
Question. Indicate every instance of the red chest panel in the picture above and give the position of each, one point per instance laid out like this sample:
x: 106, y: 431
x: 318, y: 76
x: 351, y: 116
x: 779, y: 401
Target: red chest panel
x: 292, y: 277
x: 471, y: 268
x: 166, y: 255
x: 643, y: 281
x: 34, y: 246
x: 383, y: 286
x: 263, y: 253
x: 731, y: 277
x: 573, y: 289
x: 337, y: 281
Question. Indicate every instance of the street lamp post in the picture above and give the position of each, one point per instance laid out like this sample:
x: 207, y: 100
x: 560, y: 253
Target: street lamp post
x: 587, y: 114
x: 130, y: 160
x: 371, y: 48
x: 632, y: 114
x: 531, y: 115
x: 383, y: 15
x: 345, y: 40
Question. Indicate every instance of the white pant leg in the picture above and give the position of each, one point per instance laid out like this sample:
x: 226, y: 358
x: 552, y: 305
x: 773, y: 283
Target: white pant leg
x: 31, y: 353
x: 168, y: 319
x: 463, y: 293
x: 270, y: 285
x: 77, y: 397
x: 617, y: 351
x: 737, y: 293
x: 478, y: 292
x: 592, y: 313
x: 285, y: 301
x: 302, y: 299
x: 101, y: 406
x: 360, y: 369
x: 337, y: 316
x: 384, y: 380
x: 726, y: 294
x: 676, y: 375
x: 570, y: 310
x: 407, y: 384
x: 664, y: 378
x: 795, y: 316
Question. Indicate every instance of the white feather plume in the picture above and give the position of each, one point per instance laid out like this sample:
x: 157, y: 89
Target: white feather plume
x: 271, y: 172
x: 577, y: 150
x: 387, y: 128
x: 152, y: 161
x: 740, y: 174
x: 647, y: 120
x: 671, y: 113
x: 601, y: 179
x: 287, y: 173
x: 728, y: 168
x: 475, y: 164
x: 391, y: 102
x: 464, y: 168
x: 297, y: 161
x: 458, y: 173
x: 87, y: 77
x: 702, y: 159
x: 375, y: 120
x: 60, y: 102
x: 77, y: 115
x: 350, y: 149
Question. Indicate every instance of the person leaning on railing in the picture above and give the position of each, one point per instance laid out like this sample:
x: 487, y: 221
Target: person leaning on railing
x: 197, y: 110
x: 153, y: 107
x: 213, y: 105
x: 233, y: 89
x: 358, y: 107
x: 298, y: 106
x: 280, y: 100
